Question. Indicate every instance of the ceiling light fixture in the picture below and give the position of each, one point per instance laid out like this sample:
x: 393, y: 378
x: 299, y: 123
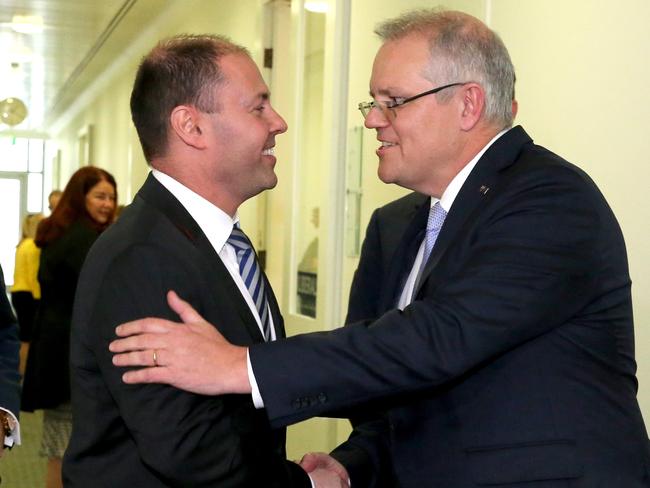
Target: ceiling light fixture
x: 27, y: 24
x: 317, y: 7
x: 12, y: 111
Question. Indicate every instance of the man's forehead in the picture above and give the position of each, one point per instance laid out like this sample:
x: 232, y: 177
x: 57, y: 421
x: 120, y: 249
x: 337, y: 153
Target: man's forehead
x: 409, y: 55
x: 241, y: 72
x: 391, y: 78
x: 238, y: 65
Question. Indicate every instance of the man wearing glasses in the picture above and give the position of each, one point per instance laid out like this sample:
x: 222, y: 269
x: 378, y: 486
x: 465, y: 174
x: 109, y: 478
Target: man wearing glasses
x: 490, y: 321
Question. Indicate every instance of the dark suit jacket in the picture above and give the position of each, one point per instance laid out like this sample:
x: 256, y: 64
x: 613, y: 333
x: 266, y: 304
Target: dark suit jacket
x: 47, y: 372
x: 9, y: 346
x: 157, y: 435
x: 515, y: 365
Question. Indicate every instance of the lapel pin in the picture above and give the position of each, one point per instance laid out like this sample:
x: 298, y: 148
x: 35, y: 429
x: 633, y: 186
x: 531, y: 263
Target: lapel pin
x: 484, y: 189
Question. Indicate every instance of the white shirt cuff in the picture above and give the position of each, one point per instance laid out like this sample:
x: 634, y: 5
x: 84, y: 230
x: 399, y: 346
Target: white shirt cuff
x: 255, y: 391
x: 314, y: 486
x: 14, y: 438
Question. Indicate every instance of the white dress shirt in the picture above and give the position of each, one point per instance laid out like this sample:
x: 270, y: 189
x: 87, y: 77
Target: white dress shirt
x: 446, y: 200
x: 217, y: 226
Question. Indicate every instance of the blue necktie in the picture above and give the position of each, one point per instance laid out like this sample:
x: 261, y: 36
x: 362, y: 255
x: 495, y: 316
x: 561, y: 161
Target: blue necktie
x: 249, y: 269
x: 436, y: 218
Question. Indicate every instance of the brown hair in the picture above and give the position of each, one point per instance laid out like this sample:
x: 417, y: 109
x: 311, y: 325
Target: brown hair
x: 72, y: 206
x: 179, y: 70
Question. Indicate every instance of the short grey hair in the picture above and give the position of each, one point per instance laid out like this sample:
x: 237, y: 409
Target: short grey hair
x: 462, y: 48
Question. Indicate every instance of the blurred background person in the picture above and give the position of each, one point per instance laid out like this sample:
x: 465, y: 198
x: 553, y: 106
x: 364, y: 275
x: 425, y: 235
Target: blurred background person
x: 53, y: 199
x: 26, y: 291
x: 86, y: 208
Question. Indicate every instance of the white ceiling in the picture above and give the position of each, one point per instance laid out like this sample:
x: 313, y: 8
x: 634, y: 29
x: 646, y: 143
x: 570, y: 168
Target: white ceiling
x: 80, y: 38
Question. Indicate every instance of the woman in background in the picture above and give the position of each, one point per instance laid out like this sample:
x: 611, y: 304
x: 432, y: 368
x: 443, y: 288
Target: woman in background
x: 86, y: 208
x: 26, y: 292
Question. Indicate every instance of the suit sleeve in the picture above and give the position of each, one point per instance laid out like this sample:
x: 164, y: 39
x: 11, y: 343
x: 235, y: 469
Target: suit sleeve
x: 9, y: 346
x: 186, y: 439
x: 525, y: 266
x: 365, y: 291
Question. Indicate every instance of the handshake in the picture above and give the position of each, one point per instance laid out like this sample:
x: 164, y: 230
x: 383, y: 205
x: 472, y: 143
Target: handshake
x: 325, y: 471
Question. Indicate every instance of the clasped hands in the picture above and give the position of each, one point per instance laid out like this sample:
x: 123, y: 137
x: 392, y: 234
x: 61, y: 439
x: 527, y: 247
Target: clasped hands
x: 194, y: 356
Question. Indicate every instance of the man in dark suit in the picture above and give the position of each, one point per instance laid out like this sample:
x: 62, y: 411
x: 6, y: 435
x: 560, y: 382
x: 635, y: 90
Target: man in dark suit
x: 491, y: 338
x: 207, y: 128
x: 9, y: 376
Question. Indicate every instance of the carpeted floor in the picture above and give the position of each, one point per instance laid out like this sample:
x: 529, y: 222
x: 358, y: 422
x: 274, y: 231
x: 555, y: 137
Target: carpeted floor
x: 22, y: 467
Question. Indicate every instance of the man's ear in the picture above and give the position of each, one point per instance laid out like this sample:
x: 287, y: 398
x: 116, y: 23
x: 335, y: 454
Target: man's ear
x: 515, y: 109
x: 186, y: 122
x: 473, y: 103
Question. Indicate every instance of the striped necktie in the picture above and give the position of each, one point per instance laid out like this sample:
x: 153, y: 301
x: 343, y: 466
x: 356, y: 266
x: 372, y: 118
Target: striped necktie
x: 250, y: 271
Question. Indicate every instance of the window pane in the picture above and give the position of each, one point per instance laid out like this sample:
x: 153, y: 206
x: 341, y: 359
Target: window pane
x: 14, y: 154
x: 35, y: 192
x: 36, y: 155
x: 9, y: 223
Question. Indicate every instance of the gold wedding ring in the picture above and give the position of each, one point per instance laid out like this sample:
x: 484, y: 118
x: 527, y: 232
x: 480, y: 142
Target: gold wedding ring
x: 155, y: 358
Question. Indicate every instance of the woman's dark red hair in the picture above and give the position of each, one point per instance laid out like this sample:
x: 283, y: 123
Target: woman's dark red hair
x: 72, y: 206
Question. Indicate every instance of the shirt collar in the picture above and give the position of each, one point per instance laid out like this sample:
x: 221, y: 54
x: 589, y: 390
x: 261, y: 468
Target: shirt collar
x: 449, y: 195
x: 214, y: 222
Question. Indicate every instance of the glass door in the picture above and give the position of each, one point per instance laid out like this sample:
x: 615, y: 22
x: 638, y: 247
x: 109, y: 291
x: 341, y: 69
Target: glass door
x: 12, y: 203
x: 320, y: 32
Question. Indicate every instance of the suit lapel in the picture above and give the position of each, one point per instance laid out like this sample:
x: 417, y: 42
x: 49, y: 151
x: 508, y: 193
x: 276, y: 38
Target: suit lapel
x: 278, y: 321
x: 158, y: 196
x: 480, y: 187
x: 402, y: 259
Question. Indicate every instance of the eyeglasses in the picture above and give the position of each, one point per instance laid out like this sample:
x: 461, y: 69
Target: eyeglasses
x: 366, y: 107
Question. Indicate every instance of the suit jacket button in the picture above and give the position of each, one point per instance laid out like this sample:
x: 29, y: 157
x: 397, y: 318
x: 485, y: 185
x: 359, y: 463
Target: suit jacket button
x: 322, y: 398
